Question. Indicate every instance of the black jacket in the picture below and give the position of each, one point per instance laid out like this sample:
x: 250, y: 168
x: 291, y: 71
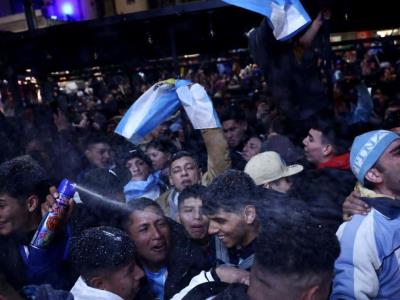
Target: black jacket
x: 222, y: 290
x: 46, y: 267
x: 185, y: 260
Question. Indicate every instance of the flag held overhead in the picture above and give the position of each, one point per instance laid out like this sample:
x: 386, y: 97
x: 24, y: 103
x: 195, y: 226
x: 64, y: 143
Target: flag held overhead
x: 151, y: 109
x: 286, y: 17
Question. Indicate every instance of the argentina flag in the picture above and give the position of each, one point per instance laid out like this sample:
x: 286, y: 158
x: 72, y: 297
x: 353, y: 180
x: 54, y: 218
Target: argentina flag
x: 286, y: 17
x: 151, y: 109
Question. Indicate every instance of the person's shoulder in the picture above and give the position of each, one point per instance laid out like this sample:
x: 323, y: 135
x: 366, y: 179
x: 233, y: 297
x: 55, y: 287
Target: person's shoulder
x: 233, y: 291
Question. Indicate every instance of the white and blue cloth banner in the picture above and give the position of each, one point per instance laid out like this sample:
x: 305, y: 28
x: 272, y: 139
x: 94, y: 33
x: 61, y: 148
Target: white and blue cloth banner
x: 198, y: 106
x: 151, y: 109
x: 286, y: 17
x: 160, y: 102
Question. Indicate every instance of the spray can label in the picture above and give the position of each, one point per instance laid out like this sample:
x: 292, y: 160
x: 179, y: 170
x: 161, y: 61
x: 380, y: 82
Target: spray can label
x: 53, y: 220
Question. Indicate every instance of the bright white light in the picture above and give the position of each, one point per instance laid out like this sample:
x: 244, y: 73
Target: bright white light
x: 53, y: 17
x: 67, y: 9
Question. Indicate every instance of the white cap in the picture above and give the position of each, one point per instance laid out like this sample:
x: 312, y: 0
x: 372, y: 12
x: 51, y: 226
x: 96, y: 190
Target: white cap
x: 268, y: 166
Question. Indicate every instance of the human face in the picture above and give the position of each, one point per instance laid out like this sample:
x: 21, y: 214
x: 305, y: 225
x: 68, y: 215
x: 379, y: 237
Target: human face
x: 252, y: 147
x: 99, y: 155
x: 191, y: 216
x: 234, y: 132
x: 138, y: 168
x: 184, y: 172
x: 390, y: 169
x: 281, y: 185
x: 124, y: 282
x: 159, y: 159
x: 313, y: 147
x: 151, y: 233
x: 13, y: 215
x: 230, y: 228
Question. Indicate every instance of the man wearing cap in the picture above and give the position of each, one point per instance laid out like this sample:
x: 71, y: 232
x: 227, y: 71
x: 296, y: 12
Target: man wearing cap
x: 269, y: 170
x: 368, y: 264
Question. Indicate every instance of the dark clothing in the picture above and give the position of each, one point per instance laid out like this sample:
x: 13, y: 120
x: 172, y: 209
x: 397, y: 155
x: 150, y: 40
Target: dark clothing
x: 243, y: 257
x: 45, y: 266
x: 324, y: 191
x: 40, y: 266
x: 234, y: 292
x: 293, y: 81
x: 222, y: 290
x: 46, y: 292
x: 238, y: 162
x: 185, y: 260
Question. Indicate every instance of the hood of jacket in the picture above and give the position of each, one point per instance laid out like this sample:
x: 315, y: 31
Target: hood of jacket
x: 81, y: 291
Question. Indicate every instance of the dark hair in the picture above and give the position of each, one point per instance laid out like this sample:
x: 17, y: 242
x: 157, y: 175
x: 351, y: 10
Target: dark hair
x: 194, y: 191
x: 22, y: 177
x: 137, y: 153
x: 230, y: 191
x: 141, y: 204
x: 101, y: 250
x: 233, y: 114
x: 179, y: 155
x: 292, y: 242
x: 95, y: 138
x: 163, y: 145
x: 334, y: 134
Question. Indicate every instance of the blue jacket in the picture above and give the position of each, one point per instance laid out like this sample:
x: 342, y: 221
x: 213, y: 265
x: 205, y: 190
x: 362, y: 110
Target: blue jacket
x: 368, y: 265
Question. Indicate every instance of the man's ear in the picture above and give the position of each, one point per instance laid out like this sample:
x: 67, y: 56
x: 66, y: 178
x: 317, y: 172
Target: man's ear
x: 310, y: 293
x: 249, y: 214
x: 87, y: 153
x: 374, y: 176
x: 32, y: 202
x: 327, y: 149
x: 97, y: 282
x: 178, y: 219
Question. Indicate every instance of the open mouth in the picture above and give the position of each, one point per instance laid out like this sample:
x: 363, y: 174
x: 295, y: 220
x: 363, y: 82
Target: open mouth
x: 161, y: 247
x: 197, y: 228
x: 187, y: 182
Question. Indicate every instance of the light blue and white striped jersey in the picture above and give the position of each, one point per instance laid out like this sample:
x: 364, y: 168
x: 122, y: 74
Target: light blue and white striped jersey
x: 369, y: 263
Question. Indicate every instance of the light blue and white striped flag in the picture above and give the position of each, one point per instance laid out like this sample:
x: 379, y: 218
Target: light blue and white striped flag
x: 151, y: 109
x: 286, y: 17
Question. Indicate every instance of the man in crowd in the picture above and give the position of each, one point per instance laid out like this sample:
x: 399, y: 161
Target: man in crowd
x: 323, y: 148
x: 184, y: 170
x: 23, y: 189
x: 294, y: 257
x: 105, y: 258
x: 234, y: 124
x: 229, y: 205
x: 169, y: 258
x: 268, y: 170
x: 97, y: 151
x: 195, y: 222
x: 367, y: 266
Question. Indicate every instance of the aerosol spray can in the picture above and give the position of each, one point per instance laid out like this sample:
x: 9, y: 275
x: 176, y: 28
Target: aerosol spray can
x: 53, y: 220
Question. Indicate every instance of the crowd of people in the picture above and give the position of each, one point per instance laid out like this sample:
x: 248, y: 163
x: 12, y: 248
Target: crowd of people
x: 294, y: 196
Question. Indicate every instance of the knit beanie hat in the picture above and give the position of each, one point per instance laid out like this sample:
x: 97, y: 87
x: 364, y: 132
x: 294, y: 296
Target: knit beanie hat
x: 367, y: 149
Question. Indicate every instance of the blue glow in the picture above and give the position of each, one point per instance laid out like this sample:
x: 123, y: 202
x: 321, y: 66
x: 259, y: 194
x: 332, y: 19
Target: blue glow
x: 53, y: 17
x: 67, y: 9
